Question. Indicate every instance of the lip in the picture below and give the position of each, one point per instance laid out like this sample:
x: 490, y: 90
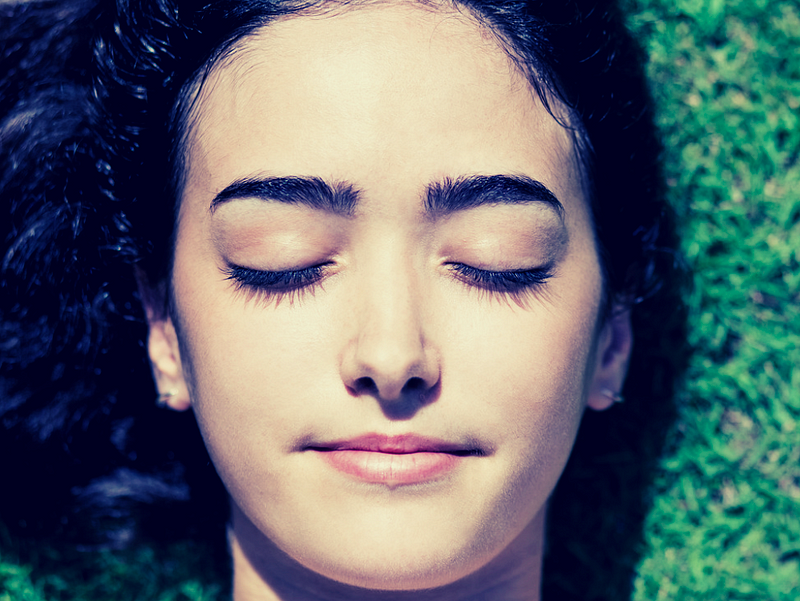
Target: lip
x: 394, y: 460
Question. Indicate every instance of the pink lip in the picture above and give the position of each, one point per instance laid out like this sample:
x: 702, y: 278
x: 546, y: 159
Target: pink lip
x: 394, y: 460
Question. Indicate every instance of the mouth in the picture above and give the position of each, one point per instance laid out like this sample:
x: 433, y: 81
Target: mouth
x: 395, y: 460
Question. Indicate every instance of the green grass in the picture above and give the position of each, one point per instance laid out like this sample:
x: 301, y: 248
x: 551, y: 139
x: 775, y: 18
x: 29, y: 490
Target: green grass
x: 180, y: 572
x: 723, y: 522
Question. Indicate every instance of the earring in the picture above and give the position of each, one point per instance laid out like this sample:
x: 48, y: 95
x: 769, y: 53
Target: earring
x: 164, y: 397
x: 617, y: 398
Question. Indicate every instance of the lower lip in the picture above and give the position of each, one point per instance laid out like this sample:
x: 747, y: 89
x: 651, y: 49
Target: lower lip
x: 392, y: 468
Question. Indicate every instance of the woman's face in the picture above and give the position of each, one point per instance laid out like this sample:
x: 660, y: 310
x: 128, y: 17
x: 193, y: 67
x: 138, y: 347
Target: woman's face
x: 386, y: 295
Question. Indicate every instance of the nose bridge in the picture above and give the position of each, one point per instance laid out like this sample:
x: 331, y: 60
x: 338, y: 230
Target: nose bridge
x: 389, y: 352
x: 390, y: 336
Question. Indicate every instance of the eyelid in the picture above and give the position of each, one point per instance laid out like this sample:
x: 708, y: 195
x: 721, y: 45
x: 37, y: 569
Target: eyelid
x: 275, y: 285
x: 503, y: 235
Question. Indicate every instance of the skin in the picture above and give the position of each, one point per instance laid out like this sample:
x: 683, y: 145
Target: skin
x: 388, y: 100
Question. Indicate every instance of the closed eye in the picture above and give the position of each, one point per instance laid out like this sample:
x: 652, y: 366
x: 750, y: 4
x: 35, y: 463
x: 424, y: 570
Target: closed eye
x: 293, y: 283
x: 276, y: 285
x: 515, y: 283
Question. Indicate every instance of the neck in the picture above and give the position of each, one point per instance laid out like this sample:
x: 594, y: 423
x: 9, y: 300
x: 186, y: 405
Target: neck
x: 262, y: 572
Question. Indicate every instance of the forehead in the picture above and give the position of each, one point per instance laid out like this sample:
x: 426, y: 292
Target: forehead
x: 331, y: 94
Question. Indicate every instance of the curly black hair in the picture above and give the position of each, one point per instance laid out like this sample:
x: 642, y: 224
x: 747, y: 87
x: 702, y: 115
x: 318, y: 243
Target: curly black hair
x: 95, y: 100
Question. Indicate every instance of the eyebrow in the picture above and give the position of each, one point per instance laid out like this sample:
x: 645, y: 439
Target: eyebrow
x: 440, y: 199
x: 313, y: 192
x: 450, y: 196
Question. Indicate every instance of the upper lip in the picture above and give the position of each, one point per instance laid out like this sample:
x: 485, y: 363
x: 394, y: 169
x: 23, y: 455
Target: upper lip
x: 398, y: 445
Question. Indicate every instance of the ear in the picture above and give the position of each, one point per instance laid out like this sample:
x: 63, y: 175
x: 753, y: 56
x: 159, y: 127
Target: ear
x: 162, y: 347
x: 613, y: 352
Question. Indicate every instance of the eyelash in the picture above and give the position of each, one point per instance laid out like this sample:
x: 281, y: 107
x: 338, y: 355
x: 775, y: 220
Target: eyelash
x: 296, y: 282
x: 512, y: 281
x: 268, y: 285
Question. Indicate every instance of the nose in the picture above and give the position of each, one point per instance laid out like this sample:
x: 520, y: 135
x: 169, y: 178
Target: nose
x: 388, y: 355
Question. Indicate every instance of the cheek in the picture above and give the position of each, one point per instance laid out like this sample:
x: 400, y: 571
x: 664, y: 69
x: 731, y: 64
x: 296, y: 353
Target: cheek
x: 529, y: 374
x: 253, y: 370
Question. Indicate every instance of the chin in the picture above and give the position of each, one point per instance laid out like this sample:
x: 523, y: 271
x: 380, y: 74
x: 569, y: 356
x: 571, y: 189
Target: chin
x: 391, y: 575
x: 399, y: 557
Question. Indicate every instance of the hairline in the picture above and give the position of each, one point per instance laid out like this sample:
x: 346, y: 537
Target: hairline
x: 184, y: 116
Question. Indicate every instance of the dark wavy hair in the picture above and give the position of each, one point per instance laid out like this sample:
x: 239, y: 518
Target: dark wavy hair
x: 95, y: 99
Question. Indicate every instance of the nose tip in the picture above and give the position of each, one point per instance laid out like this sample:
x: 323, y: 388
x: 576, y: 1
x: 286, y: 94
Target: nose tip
x: 407, y: 369
x: 396, y: 368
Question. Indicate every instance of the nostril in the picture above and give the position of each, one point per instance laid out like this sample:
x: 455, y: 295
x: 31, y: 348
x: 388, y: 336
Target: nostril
x: 365, y: 385
x: 414, y: 384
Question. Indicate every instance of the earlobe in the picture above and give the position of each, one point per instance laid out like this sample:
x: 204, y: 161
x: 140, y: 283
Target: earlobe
x: 163, y: 350
x: 613, y: 354
x: 165, y: 359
